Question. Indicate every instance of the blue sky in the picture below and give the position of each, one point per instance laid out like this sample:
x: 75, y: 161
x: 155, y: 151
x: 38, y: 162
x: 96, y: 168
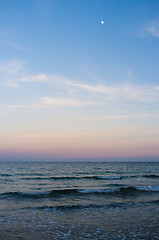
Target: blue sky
x: 71, y: 87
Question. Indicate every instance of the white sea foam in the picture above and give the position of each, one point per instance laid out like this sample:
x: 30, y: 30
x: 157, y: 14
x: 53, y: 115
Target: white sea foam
x: 98, y: 190
x: 148, y: 189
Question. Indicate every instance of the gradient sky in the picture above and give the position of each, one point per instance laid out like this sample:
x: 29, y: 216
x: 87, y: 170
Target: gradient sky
x: 72, y: 87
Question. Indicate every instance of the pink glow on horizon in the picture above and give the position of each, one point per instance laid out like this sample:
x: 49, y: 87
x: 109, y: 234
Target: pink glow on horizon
x: 108, y: 144
x: 80, y: 151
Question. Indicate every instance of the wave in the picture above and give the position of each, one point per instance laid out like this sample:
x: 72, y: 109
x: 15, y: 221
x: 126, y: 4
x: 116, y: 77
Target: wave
x: 38, y: 176
x: 151, y: 176
x: 52, y: 178
x: 94, y: 177
x: 50, y: 194
x: 70, y: 206
x: 155, y: 201
x: 122, y: 191
x: 90, y: 205
x: 108, y: 177
x: 80, y: 206
x: 21, y: 195
x: 148, y: 189
x: 74, y: 178
x: 5, y: 175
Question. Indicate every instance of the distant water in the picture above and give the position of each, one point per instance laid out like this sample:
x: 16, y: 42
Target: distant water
x: 79, y: 200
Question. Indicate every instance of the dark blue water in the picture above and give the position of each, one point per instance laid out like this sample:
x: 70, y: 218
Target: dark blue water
x: 79, y: 200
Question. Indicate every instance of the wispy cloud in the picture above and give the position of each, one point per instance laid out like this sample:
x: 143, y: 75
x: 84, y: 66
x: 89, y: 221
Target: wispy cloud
x: 153, y: 28
x: 35, y: 78
x: 11, y: 71
x: 44, y: 136
x: 111, y: 117
x: 156, y: 87
x: 48, y: 101
x: 122, y: 92
x: 13, y: 74
x: 45, y: 78
x: 58, y: 136
x: 12, y: 66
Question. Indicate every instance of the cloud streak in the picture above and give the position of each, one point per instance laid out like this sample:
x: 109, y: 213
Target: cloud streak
x: 44, y: 136
x: 114, y: 117
x: 39, y: 78
x: 10, y: 72
x: 13, y: 74
x: 124, y: 92
x: 153, y: 28
x: 48, y: 101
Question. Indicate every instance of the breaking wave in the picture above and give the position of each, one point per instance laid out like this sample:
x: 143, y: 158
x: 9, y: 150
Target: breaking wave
x: 126, y: 191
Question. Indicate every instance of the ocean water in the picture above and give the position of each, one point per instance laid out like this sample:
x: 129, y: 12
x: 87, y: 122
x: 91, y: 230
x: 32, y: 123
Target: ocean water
x: 74, y: 201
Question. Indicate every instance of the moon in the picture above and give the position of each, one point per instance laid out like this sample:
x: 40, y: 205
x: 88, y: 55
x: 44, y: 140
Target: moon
x: 102, y: 22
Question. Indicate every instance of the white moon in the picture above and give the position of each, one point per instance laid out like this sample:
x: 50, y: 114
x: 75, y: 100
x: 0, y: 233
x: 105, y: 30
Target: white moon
x: 102, y: 22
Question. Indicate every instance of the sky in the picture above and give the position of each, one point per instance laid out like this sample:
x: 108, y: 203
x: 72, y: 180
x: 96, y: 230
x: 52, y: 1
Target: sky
x: 79, y: 79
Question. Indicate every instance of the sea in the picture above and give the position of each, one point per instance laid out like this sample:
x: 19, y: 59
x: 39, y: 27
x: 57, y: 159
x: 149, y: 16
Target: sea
x: 79, y: 200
